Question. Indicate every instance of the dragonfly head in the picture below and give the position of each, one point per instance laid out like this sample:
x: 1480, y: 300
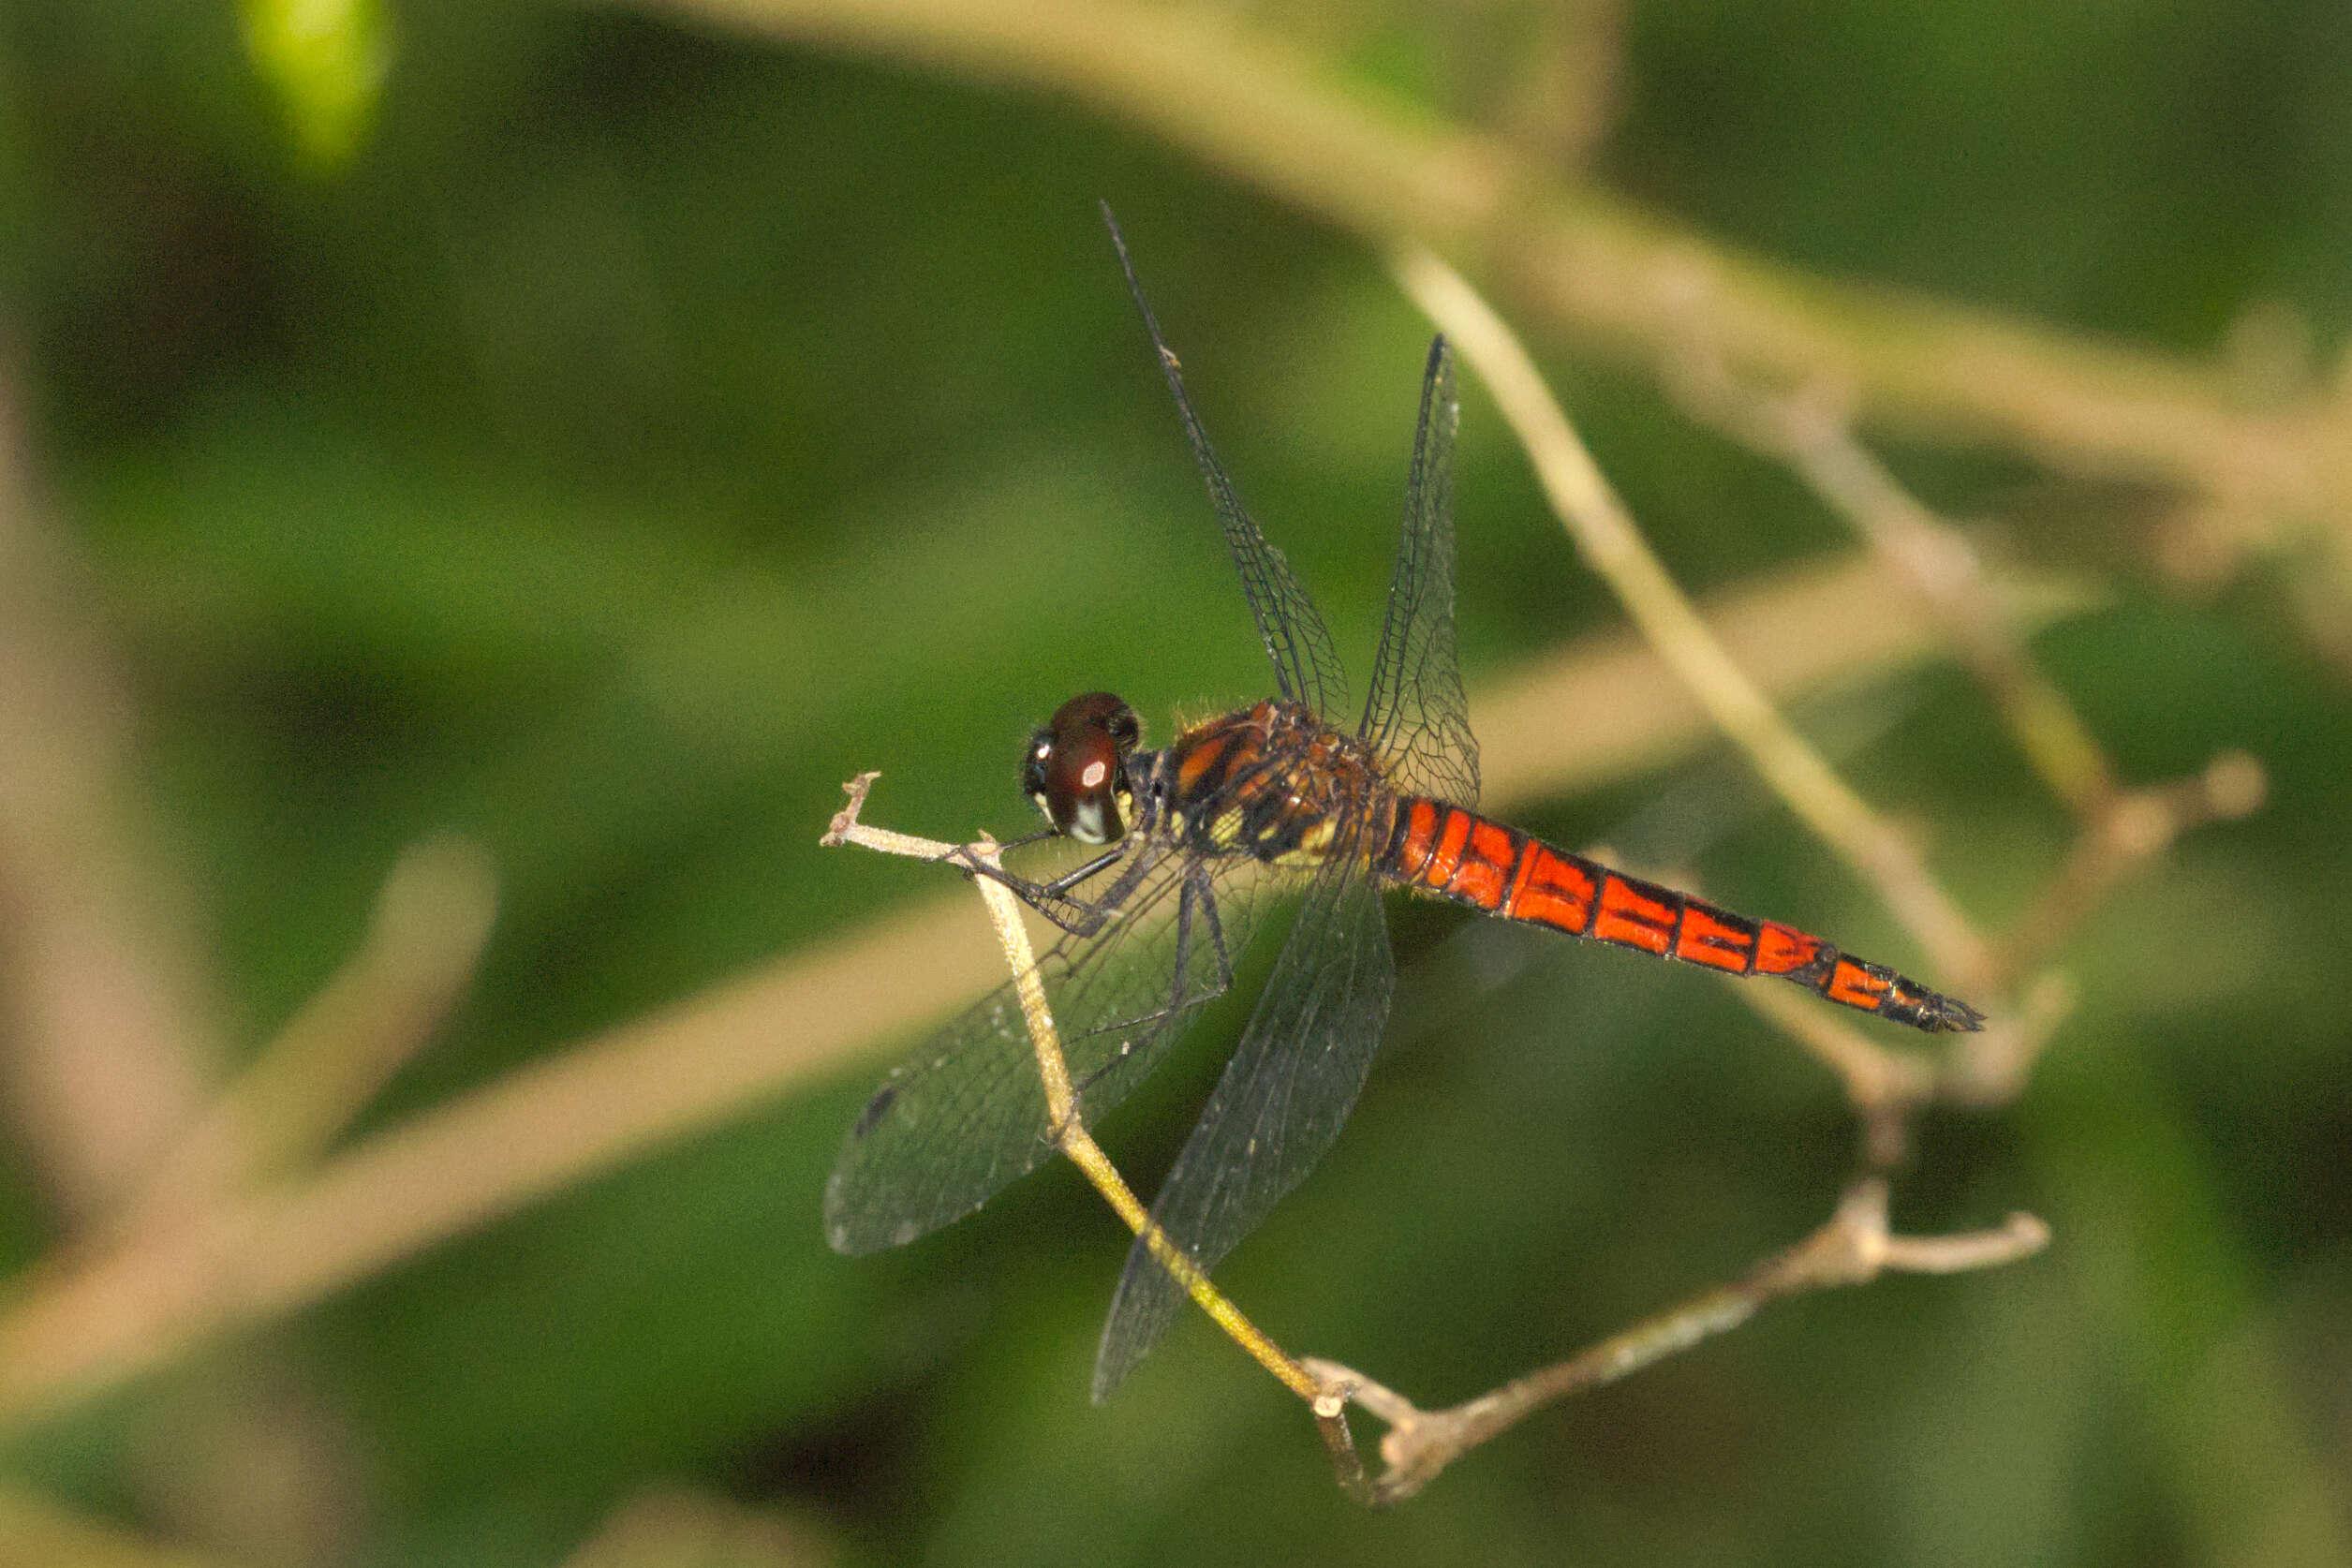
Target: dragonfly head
x: 1075, y: 768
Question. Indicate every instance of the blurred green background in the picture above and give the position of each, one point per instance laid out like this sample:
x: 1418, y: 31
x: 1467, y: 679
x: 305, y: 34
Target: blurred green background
x: 602, y: 433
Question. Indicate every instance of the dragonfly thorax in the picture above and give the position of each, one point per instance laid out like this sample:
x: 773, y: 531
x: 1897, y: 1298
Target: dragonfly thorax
x: 1076, y: 767
x: 1275, y: 782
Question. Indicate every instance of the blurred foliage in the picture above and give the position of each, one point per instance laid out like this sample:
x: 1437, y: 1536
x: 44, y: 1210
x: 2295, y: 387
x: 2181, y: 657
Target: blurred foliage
x: 327, y: 59
x: 607, y: 435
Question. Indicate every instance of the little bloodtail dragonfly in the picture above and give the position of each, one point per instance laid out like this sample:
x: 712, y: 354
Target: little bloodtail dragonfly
x: 1199, y: 838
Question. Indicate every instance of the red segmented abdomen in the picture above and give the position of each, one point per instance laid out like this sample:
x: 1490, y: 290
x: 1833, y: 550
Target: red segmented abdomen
x: 1455, y: 853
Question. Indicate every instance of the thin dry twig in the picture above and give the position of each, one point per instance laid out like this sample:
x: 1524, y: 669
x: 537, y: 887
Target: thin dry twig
x: 106, y: 1044
x: 427, y: 933
x: 36, y: 1530
x: 667, y: 1525
x: 102, y: 1007
x: 1613, y: 546
x: 2130, y: 830
x: 2123, y: 829
x: 2120, y: 829
x: 1811, y: 432
x: 2139, y: 826
x: 1071, y: 1138
x: 1884, y: 1086
x: 1854, y: 1248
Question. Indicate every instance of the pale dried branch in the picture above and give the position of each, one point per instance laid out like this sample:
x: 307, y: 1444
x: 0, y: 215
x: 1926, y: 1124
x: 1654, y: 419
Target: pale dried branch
x: 424, y: 936
x: 1992, y: 1066
x: 1884, y: 1086
x: 1854, y: 1248
x: 670, y: 1526
x: 2139, y: 826
x: 1825, y: 625
x: 107, y: 1020
x: 39, y: 1532
x: 2120, y: 829
x: 1811, y: 432
x: 103, y: 1010
x: 91, y: 1317
x: 1578, y: 259
x: 2131, y: 829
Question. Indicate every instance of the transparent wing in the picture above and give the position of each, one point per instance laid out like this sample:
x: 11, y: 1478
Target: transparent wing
x: 1306, y: 669
x: 1415, y: 715
x: 965, y: 1115
x: 1289, y: 1088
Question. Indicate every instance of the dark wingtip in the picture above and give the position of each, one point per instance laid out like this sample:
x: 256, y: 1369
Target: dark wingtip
x: 1907, y: 1001
x: 1950, y: 1016
x: 875, y: 1110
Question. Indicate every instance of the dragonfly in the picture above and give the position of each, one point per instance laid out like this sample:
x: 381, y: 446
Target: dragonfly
x: 1199, y: 840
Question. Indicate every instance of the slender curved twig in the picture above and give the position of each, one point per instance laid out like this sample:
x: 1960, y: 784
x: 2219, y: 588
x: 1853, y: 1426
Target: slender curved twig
x: 1071, y: 1136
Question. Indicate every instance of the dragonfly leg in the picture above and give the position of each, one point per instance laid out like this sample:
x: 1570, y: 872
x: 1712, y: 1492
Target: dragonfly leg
x: 1195, y: 897
x: 1080, y: 917
x: 1217, y: 941
x: 1197, y: 900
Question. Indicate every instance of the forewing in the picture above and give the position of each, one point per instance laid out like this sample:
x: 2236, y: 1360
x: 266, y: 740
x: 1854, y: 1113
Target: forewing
x: 1283, y: 1099
x: 965, y: 1115
x: 1415, y: 715
x: 1306, y: 669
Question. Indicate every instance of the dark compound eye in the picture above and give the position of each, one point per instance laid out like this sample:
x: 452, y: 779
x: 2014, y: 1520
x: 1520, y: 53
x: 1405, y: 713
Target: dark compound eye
x: 1075, y: 768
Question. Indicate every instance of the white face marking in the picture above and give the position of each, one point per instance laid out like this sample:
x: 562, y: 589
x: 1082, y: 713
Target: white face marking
x: 1094, y: 775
